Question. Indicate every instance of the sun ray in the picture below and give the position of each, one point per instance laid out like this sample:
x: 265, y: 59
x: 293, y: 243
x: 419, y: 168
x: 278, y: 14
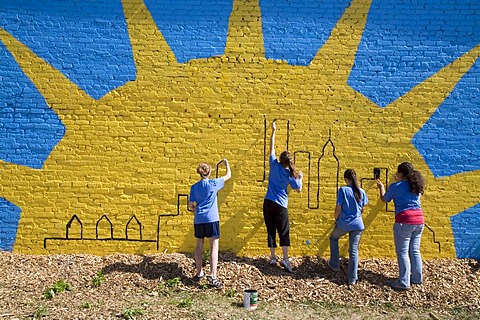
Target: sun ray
x: 338, y: 53
x: 448, y: 189
x: 245, y: 36
x: 50, y: 82
x: 417, y: 106
x: 134, y: 149
x: 148, y: 44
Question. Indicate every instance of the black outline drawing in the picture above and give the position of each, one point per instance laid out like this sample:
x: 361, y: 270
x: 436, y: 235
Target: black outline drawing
x: 329, y: 141
x: 112, y: 238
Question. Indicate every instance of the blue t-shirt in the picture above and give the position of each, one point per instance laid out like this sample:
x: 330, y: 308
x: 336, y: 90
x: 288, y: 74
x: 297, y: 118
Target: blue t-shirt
x: 278, y: 180
x: 204, y: 194
x: 402, y: 197
x: 350, y: 218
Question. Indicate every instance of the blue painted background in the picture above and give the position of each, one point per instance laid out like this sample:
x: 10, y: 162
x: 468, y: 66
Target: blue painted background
x: 403, y: 44
x: 9, y: 216
x: 295, y: 30
x: 466, y: 229
x: 193, y: 29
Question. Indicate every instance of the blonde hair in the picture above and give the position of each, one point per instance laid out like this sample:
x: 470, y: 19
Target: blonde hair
x: 204, y: 170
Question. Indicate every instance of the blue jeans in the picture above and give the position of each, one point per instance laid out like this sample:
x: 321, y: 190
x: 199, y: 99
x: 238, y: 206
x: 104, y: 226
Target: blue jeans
x: 354, y: 240
x: 407, y: 246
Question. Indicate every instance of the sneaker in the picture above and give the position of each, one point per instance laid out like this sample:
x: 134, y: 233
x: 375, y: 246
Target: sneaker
x: 332, y: 268
x: 287, y: 266
x: 273, y: 261
x: 214, y: 282
x: 394, y: 285
x: 198, y: 276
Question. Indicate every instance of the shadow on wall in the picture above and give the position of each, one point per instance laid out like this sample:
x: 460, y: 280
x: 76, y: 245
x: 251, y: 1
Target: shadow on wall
x: 240, y: 224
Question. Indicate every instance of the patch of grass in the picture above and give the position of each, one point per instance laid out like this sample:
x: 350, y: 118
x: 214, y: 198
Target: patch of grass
x: 59, y: 287
x: 131, y: 313
x: 231, y: 293
x: 389, y: 306
x: 86, y: 305
x: 39, y: 312
x: 331, y: 306
x: 204, y: 286
x: 98, y: 279
x: 170, y: 283
x: 462, y: 313
x: 206, y: 257
x: 185, y: 303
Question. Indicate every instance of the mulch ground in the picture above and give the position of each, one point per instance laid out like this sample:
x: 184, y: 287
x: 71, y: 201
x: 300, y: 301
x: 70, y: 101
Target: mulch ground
x: 448, y: 283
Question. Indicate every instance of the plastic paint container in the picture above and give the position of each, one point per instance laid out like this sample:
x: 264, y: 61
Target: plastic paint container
x: 250, y: 299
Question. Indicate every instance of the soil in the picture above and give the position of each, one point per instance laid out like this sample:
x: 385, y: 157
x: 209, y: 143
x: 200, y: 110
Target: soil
x: 144, y: 282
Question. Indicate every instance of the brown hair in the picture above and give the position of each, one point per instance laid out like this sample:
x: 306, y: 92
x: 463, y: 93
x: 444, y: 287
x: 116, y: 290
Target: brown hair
x: 286, y: 161
x: 414, y: 177
x: 351, y: 175
x: 204, y: 170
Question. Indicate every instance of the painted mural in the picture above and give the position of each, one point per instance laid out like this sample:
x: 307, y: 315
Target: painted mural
x: 106, y: 108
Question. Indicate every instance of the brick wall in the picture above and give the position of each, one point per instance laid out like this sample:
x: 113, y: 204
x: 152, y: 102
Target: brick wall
x: 108, y: 107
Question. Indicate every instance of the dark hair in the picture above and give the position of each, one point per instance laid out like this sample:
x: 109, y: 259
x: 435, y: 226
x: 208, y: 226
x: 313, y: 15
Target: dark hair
x: 286, y: 161
x: 414, y: 177
x: 352, y: 176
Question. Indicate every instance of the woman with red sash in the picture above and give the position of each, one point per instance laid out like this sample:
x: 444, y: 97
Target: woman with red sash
x: 409, y: 223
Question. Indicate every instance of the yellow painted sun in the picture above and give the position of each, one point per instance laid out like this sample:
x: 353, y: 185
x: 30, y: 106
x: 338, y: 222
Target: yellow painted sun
x: 125, y: 158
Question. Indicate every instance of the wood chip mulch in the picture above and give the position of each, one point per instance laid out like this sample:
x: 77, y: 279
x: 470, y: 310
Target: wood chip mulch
x: 448, y: 283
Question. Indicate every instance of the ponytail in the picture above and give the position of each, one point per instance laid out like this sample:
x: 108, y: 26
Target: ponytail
x: 351, y: 175
x: 286, y: 161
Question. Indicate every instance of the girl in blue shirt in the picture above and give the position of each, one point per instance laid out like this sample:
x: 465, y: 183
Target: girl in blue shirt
x: 275, y: 213
x: 348, y: 219
x: 206, y: 223
x: 409, y: 223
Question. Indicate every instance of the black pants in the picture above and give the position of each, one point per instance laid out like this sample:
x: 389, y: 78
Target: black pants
x: 276, y: 219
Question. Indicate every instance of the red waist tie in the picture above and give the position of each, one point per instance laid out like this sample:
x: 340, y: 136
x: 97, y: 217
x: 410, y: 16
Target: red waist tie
x: 414, y: 216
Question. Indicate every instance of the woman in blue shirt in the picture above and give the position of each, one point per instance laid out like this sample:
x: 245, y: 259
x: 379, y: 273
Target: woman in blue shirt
x: 282, y: 174
x: 203, y: 201
x: 409, y: 223
x: 348, y: 219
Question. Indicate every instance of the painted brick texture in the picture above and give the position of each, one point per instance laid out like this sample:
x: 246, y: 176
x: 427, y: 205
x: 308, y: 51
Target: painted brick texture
x: 103, y: 161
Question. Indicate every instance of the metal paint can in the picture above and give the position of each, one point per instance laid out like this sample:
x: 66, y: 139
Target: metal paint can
x: 250, y: 299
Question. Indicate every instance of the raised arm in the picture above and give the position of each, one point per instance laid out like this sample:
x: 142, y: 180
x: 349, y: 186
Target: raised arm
x: 272, y: 138
x: 191, y: 206
x: 381, y: 189
x: 300, y: 178
x: 228, y: 175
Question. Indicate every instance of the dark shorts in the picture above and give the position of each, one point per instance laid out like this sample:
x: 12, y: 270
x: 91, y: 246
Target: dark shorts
x: 207, y: 230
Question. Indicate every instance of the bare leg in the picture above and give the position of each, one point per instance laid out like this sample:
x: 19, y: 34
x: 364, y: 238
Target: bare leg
x: 199, y: 256
x: 213, y: 257
x: 272, y: 254
x: 285, y: 253
x: 286, y: 262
